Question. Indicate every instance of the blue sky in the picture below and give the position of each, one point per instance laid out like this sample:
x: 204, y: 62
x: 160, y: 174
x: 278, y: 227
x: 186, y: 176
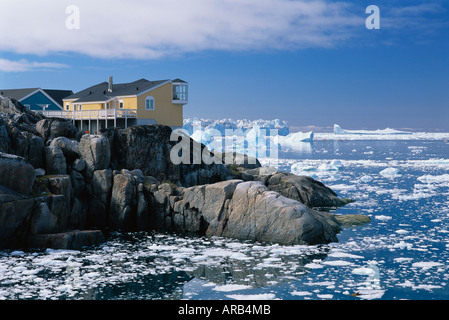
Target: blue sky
x: 311, y: 63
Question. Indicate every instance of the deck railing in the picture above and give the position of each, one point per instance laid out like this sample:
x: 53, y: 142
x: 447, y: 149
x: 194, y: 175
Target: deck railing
x: 108, y: 114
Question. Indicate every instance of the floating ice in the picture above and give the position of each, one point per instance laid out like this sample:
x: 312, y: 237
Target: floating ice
x: 366, y: 178
x: 262, y: 296
x: 388, y: 131
x: 341, y: 254
x: 383, y: 217
x: 390, y: 172
x: 301, y: 293
x: 426, y: 265
x: 364, y: 271
x: 444, y: 178
x: 192, y: 124
x: 337, y: 263
x: 231, y: 287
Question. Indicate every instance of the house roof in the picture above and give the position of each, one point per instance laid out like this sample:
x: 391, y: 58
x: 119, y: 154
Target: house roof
x: 19, y: 94
x: 58, y: 95
x: 100, y: 93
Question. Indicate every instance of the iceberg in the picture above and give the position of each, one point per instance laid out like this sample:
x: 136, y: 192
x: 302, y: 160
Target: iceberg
x: 293, y: 138
x: 340, y: 130
x: 192, y: 124
x: 241, y: 135
x: 390, y: 173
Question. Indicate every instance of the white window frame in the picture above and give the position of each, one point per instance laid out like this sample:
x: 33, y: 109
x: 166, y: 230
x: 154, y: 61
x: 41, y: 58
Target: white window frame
x: 183, y: 94
x: 67, y: 106
x: 148, y: 107
x: 121, y: 104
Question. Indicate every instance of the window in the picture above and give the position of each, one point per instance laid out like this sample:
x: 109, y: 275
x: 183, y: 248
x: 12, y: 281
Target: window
x: 180, y: 92
x: 67, y: 106
x: 120, y: 104
x: 149, y: 103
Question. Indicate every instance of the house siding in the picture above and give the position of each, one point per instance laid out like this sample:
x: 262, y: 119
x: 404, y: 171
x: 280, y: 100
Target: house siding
x: 165, y: 112
x: 39, y: 98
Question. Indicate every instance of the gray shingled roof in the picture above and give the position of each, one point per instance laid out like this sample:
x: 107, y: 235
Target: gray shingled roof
x: 19, y: 94
x: 58, y: 95
x: 99, y: 92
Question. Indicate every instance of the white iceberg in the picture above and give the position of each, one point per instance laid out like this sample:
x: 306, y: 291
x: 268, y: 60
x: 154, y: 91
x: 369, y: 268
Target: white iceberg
x: 255, y: 138
x: 193, y: 124
x: 390, y: 173
x: 294, y: 138
x: 387, y: 131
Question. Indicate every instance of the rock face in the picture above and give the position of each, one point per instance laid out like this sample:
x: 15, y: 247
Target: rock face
x: 147, y: 148
x: 55, y: 160
x: 61, y: 189
x: 96, y: 152
x: 16, y: 173
x: 249, y: 211
x: 99, y: 202
x: 305, y: 189
x: 50, y: 129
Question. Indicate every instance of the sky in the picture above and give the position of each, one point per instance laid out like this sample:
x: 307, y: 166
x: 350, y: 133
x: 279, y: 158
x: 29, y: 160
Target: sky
x: 307, y: 62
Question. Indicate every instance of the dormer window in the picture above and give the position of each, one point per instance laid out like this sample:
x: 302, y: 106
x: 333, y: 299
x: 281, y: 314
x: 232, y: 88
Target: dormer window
x: 180, y: 93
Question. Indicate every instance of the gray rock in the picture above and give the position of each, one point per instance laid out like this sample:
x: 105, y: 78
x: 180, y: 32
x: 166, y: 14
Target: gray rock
x: 79, y: 165
x: 72, y: 240
x: 77, y: 218
x: 255, y: 213
x: 61, y: 185
x: 305, y: 189
x: 68, y: 146
x: 148, y: 149
x: 39, y: 172
x: 35, y: 153
x: 50, y: 129
x: 4, y: 138
x: 99, y: 202
x: 160, y: 207
x: 123, y: 201
x: 55, y: 162
x: 57, y: 204
x: 77, y: 183
x: 15, y: 211
x: 11, y: 106
x: 352, y: 220
x: 16, y: 173
x: 249, y: 211
x: 142, y: 213
x: 96, y: 152
x: 44, y: 221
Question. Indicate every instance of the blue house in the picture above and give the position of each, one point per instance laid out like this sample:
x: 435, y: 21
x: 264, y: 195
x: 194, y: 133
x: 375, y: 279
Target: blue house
x: 38, y: 99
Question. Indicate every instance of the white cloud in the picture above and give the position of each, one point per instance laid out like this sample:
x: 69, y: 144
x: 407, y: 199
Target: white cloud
x: 157, y: 28
x: 25, y: 65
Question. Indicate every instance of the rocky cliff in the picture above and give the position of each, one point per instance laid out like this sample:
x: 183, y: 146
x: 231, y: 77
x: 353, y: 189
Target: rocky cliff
x: 61, y: 188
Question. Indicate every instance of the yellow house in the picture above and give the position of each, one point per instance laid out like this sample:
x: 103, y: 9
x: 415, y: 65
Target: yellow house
x: 126, y: 104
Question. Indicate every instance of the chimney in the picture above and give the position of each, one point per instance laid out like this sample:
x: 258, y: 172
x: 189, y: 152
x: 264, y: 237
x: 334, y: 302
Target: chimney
x: 110, y: 84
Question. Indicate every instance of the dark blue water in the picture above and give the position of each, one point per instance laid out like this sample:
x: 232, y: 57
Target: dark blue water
x: 401, y: 254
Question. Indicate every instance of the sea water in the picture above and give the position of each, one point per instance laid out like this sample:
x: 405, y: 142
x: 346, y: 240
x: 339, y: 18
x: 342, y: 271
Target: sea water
x: 403, y: 253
